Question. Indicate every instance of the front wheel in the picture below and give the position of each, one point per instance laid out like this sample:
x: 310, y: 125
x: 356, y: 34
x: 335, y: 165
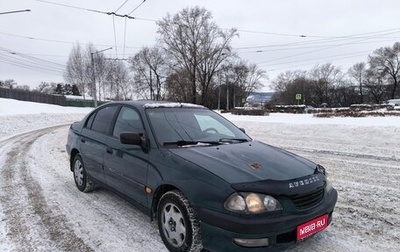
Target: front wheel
x: 82, y: 181
x: 177, y: 223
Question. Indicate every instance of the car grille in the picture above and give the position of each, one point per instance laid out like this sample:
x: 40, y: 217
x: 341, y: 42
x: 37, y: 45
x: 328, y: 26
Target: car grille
x: 308, y: 200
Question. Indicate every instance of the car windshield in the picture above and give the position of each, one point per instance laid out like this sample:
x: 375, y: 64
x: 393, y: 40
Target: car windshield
x: 183, y: 127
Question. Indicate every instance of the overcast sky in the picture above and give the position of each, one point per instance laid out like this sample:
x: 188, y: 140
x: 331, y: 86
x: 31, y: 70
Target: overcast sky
x: 278, y: 35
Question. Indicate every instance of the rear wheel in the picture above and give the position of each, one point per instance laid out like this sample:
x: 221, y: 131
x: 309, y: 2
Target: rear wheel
x: 80, y: 176
x: 177, y: 223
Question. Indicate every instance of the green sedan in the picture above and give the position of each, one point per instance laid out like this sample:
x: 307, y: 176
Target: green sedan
x: 209, y: 185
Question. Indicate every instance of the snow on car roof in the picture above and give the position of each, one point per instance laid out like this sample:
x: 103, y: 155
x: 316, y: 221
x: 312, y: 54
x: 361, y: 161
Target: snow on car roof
x: 171, y: 105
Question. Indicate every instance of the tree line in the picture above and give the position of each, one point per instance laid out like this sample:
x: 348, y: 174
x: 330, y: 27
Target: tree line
x: 374, y: 81
x: 51, y: 88
x: 193, y: 61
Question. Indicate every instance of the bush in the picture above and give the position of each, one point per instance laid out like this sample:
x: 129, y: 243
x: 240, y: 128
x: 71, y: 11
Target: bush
x: 249, y: 111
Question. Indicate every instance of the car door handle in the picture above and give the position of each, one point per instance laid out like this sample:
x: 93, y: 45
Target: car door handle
x: 109, y: 150
x: 83, y: 140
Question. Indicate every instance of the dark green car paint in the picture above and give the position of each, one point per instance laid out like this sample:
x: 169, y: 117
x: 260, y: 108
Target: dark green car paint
x: 236, y: 158
x: 207, y: 174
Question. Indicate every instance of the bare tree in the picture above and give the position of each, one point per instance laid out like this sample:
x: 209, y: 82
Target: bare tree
x: 325, y: 77
x: 197, y: 46
x: 76, y: 69
x: 357, y: 72
x: 374, y: 83
x: 8, y: 84
x: 22, y: 87
x: 283, y: 79
x: 290, y: 83
x: 240, y: 79
x: 177, y: 88
x: 385, y: 61
x: 254, y: 77
x: 101, y: 71
x: 118, y: 81
x: 46, y: 88
x: 149, y: 68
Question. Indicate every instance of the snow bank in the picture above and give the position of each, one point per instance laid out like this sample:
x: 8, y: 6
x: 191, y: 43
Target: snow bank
x: 15, y: 107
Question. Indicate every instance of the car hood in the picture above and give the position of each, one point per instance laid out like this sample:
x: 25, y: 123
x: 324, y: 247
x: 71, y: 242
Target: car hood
x: 247, y: 162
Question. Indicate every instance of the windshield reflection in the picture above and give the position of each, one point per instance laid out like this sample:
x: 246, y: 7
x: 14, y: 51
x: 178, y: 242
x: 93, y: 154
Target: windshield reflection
x: 192, y: 127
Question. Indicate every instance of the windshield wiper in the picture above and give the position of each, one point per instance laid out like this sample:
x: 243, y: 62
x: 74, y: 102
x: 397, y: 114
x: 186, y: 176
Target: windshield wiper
x: 180, y: 143
x: 230, y: 140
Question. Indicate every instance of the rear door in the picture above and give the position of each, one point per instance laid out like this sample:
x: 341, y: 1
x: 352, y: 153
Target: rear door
x: 93, y: 140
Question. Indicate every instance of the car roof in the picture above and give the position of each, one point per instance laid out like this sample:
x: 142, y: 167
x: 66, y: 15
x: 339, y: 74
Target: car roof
x: 158, y: 104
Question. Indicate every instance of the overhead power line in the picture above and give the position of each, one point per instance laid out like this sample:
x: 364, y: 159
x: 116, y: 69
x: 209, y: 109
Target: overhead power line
x: 314, y: 36
x: 327, y: 39
x: 98, y: 11
x: 355, y: 41
x: 136, y: 7
x: 29, y: 62
x: 121, y: 6
x: 17, y: 11
x: 58, y: 41
x: 319, y: 58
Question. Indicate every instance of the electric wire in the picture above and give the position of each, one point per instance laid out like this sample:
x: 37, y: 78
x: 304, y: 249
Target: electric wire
x: 288, y: 65
x: 121, y: 6
x: 115, y: 38
x: 123, y: 54
x: 136, y: 7
x: 28, y: 57
x: 314, y: 36
x: 325, y: 40
x: 125, y: 28
x: 98, y: 11
x: 30, y: 62
x: 319, y: 58
x: 61, y: 41
x: 319, y: 43
x: 308, y: 47
x: 321, y: 49
x: 16, y: 11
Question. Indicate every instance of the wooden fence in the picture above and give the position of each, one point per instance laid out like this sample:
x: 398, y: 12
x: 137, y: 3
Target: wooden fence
x: 24, y: 95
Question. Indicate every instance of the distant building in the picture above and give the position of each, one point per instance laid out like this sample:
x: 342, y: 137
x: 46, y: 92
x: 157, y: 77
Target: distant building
x: 258, y: 99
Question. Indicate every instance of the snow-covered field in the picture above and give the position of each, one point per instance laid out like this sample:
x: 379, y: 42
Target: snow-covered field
x: 41, y: 210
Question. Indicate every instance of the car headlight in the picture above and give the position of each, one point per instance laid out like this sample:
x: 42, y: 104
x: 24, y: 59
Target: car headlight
x: 329, y: 186
x: 252, y: 203
x: 322, y: 170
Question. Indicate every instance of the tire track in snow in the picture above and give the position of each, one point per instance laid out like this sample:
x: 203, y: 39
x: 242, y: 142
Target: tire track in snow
x: 368, y: 207
x: 344, y: 154
x: 28, y: 217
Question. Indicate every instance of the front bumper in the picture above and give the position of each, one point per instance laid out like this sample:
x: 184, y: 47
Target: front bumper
x: 219, y: 229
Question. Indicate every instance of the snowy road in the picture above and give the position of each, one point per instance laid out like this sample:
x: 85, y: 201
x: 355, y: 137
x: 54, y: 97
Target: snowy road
x: 41, y: 210
x: 364, y: 164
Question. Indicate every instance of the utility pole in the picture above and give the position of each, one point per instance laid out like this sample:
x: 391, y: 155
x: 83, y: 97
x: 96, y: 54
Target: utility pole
x: 219, y: 95
x: 93, y: 74
x: 227, y: 97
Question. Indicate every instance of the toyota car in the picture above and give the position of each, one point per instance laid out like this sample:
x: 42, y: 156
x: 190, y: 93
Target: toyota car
x: 207, y: 183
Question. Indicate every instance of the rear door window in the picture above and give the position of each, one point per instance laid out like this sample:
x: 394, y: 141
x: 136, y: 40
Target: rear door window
x: 103, y: 119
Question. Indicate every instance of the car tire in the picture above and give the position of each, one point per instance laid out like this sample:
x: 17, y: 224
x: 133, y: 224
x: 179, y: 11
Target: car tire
x: 177, y: 223
x: 81, y: 179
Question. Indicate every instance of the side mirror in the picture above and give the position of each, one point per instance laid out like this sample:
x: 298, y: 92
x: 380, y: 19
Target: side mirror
x: 134, y: 138
x: 131, y: 138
